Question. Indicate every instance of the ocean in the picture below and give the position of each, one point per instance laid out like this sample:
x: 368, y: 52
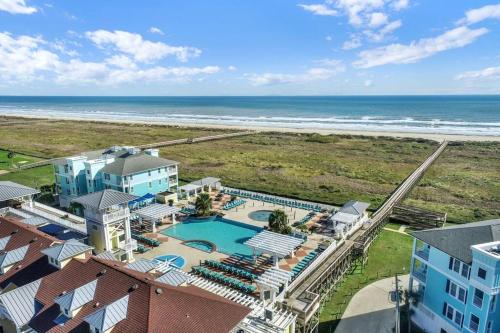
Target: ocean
x: 465, y: 115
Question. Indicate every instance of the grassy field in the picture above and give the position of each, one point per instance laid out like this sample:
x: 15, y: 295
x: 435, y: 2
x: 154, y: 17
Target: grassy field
x: 330, y: 169
x: 62, y: 138
x: 17, y: 160
x: 464, y: 182
x: 390, y: 253
x: 35, y: 177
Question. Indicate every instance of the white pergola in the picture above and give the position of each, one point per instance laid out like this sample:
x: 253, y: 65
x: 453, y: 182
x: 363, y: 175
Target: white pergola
x: 156, y: 212
x: 273, y: 279
x: 189, y: 190
x: 277, y: 245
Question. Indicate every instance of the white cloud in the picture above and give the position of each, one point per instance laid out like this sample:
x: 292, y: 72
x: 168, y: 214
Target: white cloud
x: 330, y: 68
x: 142, y: 50
x: 27, y: 58
x: 377, y: 19
x: 232, y: 68
x: 368, y: 83
x: 319, y: 9
x: 328, y: 38
x: 400, y: 4
x: 378, y: 36
x: 481, y: 14
x: 155, y: 30
x: 487, y: 73
x: 416, y: 50
x: 16, y: 7
x: 351, y: 44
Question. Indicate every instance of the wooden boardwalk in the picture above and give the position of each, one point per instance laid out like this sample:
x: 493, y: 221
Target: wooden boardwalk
x: 305, y: 298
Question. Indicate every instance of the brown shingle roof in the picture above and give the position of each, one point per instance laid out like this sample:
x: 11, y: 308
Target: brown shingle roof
x: 152, y: 306
x: 34, y: 265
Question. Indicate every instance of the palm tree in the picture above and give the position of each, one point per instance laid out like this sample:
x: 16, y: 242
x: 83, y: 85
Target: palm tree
x: 11, y: 156
x: 203, y: 204
x: 278, y: 222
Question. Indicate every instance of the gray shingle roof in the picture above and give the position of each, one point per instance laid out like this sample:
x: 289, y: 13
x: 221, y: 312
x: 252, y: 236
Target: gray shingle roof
x: 109, y: 315
x: 174, y: 277
x: 354, y: 207
x: 104, y: 199
x: 20, y: 303
x: 36, y: 220
x: 77, y: 298
x: 142, y: 265
x: 66, y: 250
x: 457, y: 240
x: 128, y: 164
x: 13, y: 256
x: 10, y: 190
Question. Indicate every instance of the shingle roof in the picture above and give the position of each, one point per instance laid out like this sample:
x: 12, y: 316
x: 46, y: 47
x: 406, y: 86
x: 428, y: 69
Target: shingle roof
x: 66, y: 250
x: 77, y: 297
x: 104, y: 199
x: 21, y: 303
x: 13, y: 256
x: 10, y: 190
x: 109, y: 315
x: 354, y: 207
x: 141, y: 265
x: 457, y: 240
x: 128, y: 164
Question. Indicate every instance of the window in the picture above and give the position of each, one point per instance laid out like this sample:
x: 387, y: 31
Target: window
x: 492, y: 303
x: 478, y: 298
x: 452, y: 314
x: 481, y: 273
x: 106, y: 176
x: 67, y: 181
x: 88, y: 172
x: 458, y: 318
x: 159, y: 170
x: 488, y: 327
x: 459, y: 267
x: 165, y: 169
x: 126, y: 189
x: 465, y: 270
x: 150, y: 185
x: 474, y: 323
x: 149, y: 173
x: 159, y: 181
x: 131, y: 177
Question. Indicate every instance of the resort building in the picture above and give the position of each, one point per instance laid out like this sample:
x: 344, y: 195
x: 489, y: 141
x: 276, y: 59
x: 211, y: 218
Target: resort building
x: 349, y: 218
x: 107, y: 218
x: 124, y: 169
x: 455, y: 278
x: 13, y: 194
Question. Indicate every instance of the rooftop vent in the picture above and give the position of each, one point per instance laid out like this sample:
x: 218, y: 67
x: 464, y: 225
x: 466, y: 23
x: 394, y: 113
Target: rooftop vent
x: 63, y: 293
x: 134, y: 287
x: 96, y: 304
x: 159, y: 291
x: 15, y: 231
x: 34, y: 239
x: 102, y: 272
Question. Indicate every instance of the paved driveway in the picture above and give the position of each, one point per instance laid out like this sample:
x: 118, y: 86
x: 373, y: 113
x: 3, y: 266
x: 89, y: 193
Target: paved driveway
x: 370, y: 310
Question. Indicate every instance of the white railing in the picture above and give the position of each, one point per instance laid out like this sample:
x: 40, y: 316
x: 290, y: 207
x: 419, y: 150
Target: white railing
x: 19, y: 213
x: 116, y: 215
x: 55, y: 219
x: 316, y: 262
x: 131, y: 245
x: 59, y: 213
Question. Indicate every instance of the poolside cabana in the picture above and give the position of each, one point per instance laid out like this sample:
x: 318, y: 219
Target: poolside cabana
x: 156, y: 213
x: 189, y: 190
x: 278, y: 246
x: 272, y: 282
x: 208, y: 183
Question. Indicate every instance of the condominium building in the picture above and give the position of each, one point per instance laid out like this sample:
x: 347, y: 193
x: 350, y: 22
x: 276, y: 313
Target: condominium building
x: 455, y: 278
x: 124, y: 169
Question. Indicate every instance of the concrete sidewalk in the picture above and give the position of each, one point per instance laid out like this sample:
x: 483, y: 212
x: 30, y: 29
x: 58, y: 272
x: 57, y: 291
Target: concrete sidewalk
x: 370, y: 310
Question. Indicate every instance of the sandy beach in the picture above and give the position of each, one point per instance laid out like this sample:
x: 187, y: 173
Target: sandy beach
x: 428, y: 136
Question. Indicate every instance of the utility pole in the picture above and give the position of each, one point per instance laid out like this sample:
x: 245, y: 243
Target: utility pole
x: 398, y: 328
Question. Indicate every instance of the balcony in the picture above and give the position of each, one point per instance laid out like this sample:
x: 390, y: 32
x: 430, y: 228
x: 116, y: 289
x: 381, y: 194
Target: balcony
x: 422, y: 252
x: 420, y: 271
x: 107, y: 217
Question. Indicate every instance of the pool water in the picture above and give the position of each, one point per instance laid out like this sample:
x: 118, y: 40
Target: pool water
x: 260, y: 215
x: 177, y: 261
x: 200, y: 245
x: 227, y: 235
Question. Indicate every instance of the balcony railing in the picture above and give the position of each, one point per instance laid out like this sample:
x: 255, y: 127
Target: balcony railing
x: 420, y: 274
x: 422, y: 253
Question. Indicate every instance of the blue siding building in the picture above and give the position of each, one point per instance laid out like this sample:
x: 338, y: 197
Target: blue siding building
x: 455, y: 278
x: 124, y: 169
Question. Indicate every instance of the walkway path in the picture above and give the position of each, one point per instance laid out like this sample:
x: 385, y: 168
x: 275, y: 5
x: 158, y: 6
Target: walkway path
x: 370, y: 309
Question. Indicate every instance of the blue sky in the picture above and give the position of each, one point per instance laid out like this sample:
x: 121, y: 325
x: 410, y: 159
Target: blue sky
x: 258, y: 47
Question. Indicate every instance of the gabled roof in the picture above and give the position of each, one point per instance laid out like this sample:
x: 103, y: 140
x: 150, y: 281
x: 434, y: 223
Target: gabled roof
x: 129, y: 164
x: 36, y: 220
x: 354, y: 207
x: 109, y: 315
x: 106, y: 255
x: 13, y: 256
x: 66, y: 250
x: 3, y: 242
x: 78, y: 297
x: 104, y: 199
x: 457, y: 240
x: 10, y: 190
x: 174, y: 277
x: 345, y: 217
x: 20, y: 303
x: 141, y: 265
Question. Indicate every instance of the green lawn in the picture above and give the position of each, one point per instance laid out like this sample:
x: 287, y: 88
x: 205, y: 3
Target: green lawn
x: 390, y: 253
x: 18, y: 160
x: 32, y: 177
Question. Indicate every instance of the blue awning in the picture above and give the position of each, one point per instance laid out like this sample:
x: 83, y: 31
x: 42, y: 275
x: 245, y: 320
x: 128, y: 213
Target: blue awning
x: 145, y: 197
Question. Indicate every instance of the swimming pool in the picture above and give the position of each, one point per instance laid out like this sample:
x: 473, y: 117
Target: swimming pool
x: 260, y: 215
x: 227, y: 235
x: 201, y: 245
x: 173, y: 259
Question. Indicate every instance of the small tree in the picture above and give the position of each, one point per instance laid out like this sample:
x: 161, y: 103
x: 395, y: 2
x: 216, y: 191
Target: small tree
x: 10, y: 156
x: 203, y: 204
x: 170, y: 202
x: 278, y: 222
